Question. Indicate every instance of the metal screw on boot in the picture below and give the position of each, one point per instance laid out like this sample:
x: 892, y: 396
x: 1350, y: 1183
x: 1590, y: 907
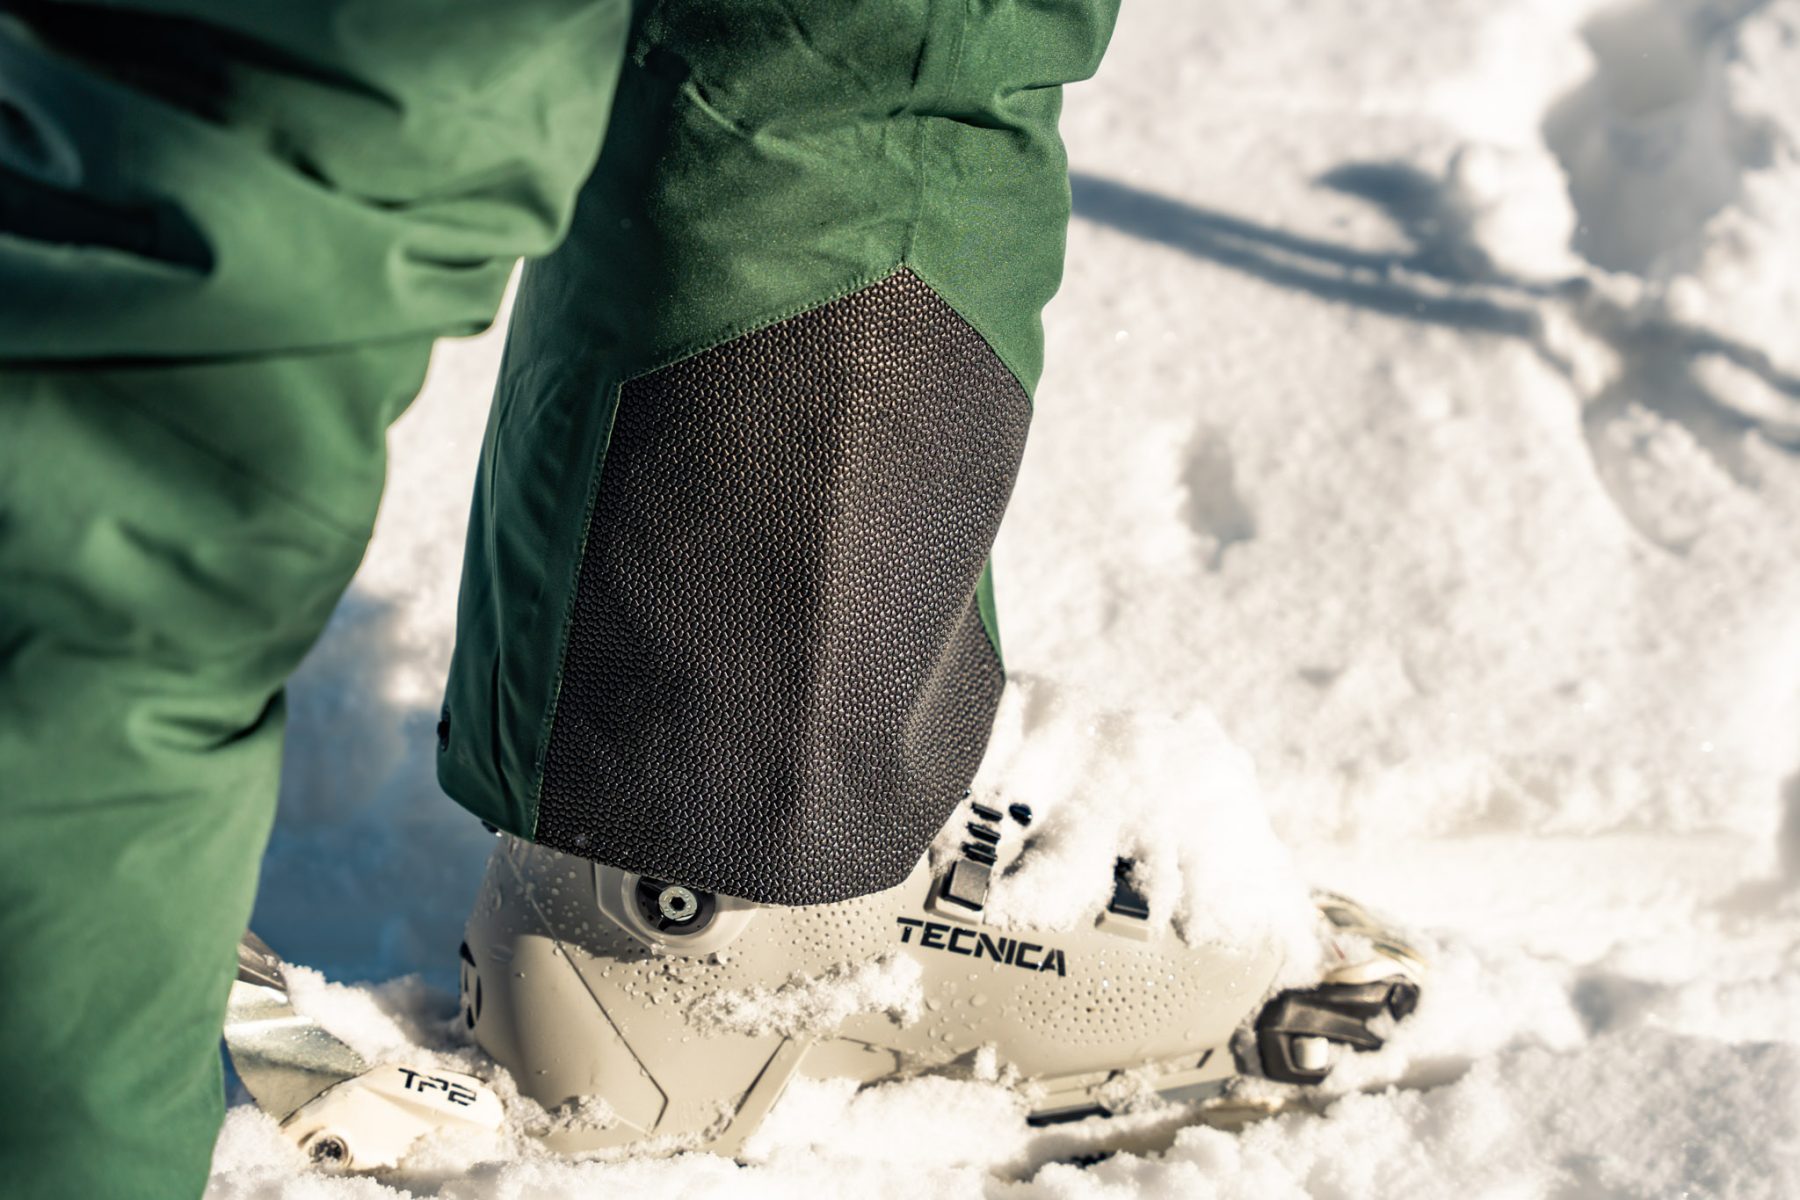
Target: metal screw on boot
x: 677, y: 903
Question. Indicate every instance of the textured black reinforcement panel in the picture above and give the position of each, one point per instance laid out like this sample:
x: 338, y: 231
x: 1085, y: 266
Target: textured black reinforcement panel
x: 776, y: 683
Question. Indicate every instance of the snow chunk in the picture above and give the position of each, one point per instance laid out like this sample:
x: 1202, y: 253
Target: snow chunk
x: 1170, y: 792
x: 1515, y: 203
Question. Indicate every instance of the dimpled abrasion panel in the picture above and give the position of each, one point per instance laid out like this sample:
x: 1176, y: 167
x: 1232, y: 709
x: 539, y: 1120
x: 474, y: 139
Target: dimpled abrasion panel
x: 776, y: 683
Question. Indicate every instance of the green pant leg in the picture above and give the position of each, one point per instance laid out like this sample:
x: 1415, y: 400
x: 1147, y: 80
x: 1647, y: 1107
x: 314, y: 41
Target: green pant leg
x: 724, y: 615
x: 156, y: 591
x: 228, y: 234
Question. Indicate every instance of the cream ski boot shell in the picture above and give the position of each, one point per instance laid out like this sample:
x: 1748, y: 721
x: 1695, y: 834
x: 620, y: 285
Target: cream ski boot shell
x: 569, y: 982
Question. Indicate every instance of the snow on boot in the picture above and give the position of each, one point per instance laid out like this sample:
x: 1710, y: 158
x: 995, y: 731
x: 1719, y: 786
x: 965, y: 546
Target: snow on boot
x: 647, y: 1013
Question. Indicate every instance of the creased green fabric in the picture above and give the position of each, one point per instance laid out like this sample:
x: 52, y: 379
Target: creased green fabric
x: 228, y: 235
x: 287, y: 176
x: 163, y: 567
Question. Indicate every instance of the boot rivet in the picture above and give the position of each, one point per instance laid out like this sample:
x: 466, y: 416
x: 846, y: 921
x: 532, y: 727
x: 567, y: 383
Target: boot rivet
x: 677, y: 903
x: 328, y: 1150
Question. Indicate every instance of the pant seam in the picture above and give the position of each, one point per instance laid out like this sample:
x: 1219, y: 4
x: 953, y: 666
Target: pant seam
x: 294, y: 500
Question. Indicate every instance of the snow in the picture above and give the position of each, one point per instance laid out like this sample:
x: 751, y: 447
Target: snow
x: 1169, y: 791
x: 1409, y: 510
x: 889, y: 984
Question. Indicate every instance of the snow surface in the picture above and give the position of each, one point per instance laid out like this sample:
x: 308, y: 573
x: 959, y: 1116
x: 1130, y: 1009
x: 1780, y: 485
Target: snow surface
x: 1420, y: 427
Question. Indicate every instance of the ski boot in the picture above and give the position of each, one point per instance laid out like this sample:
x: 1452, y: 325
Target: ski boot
x: 663, y: 1015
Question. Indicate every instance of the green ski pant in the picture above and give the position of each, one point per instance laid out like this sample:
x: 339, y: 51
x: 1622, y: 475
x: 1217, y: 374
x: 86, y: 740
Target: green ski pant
x: 229, y: 233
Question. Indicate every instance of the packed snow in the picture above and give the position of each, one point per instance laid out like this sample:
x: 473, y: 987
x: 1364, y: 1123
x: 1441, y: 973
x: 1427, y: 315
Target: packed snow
x: 1410, y: 510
